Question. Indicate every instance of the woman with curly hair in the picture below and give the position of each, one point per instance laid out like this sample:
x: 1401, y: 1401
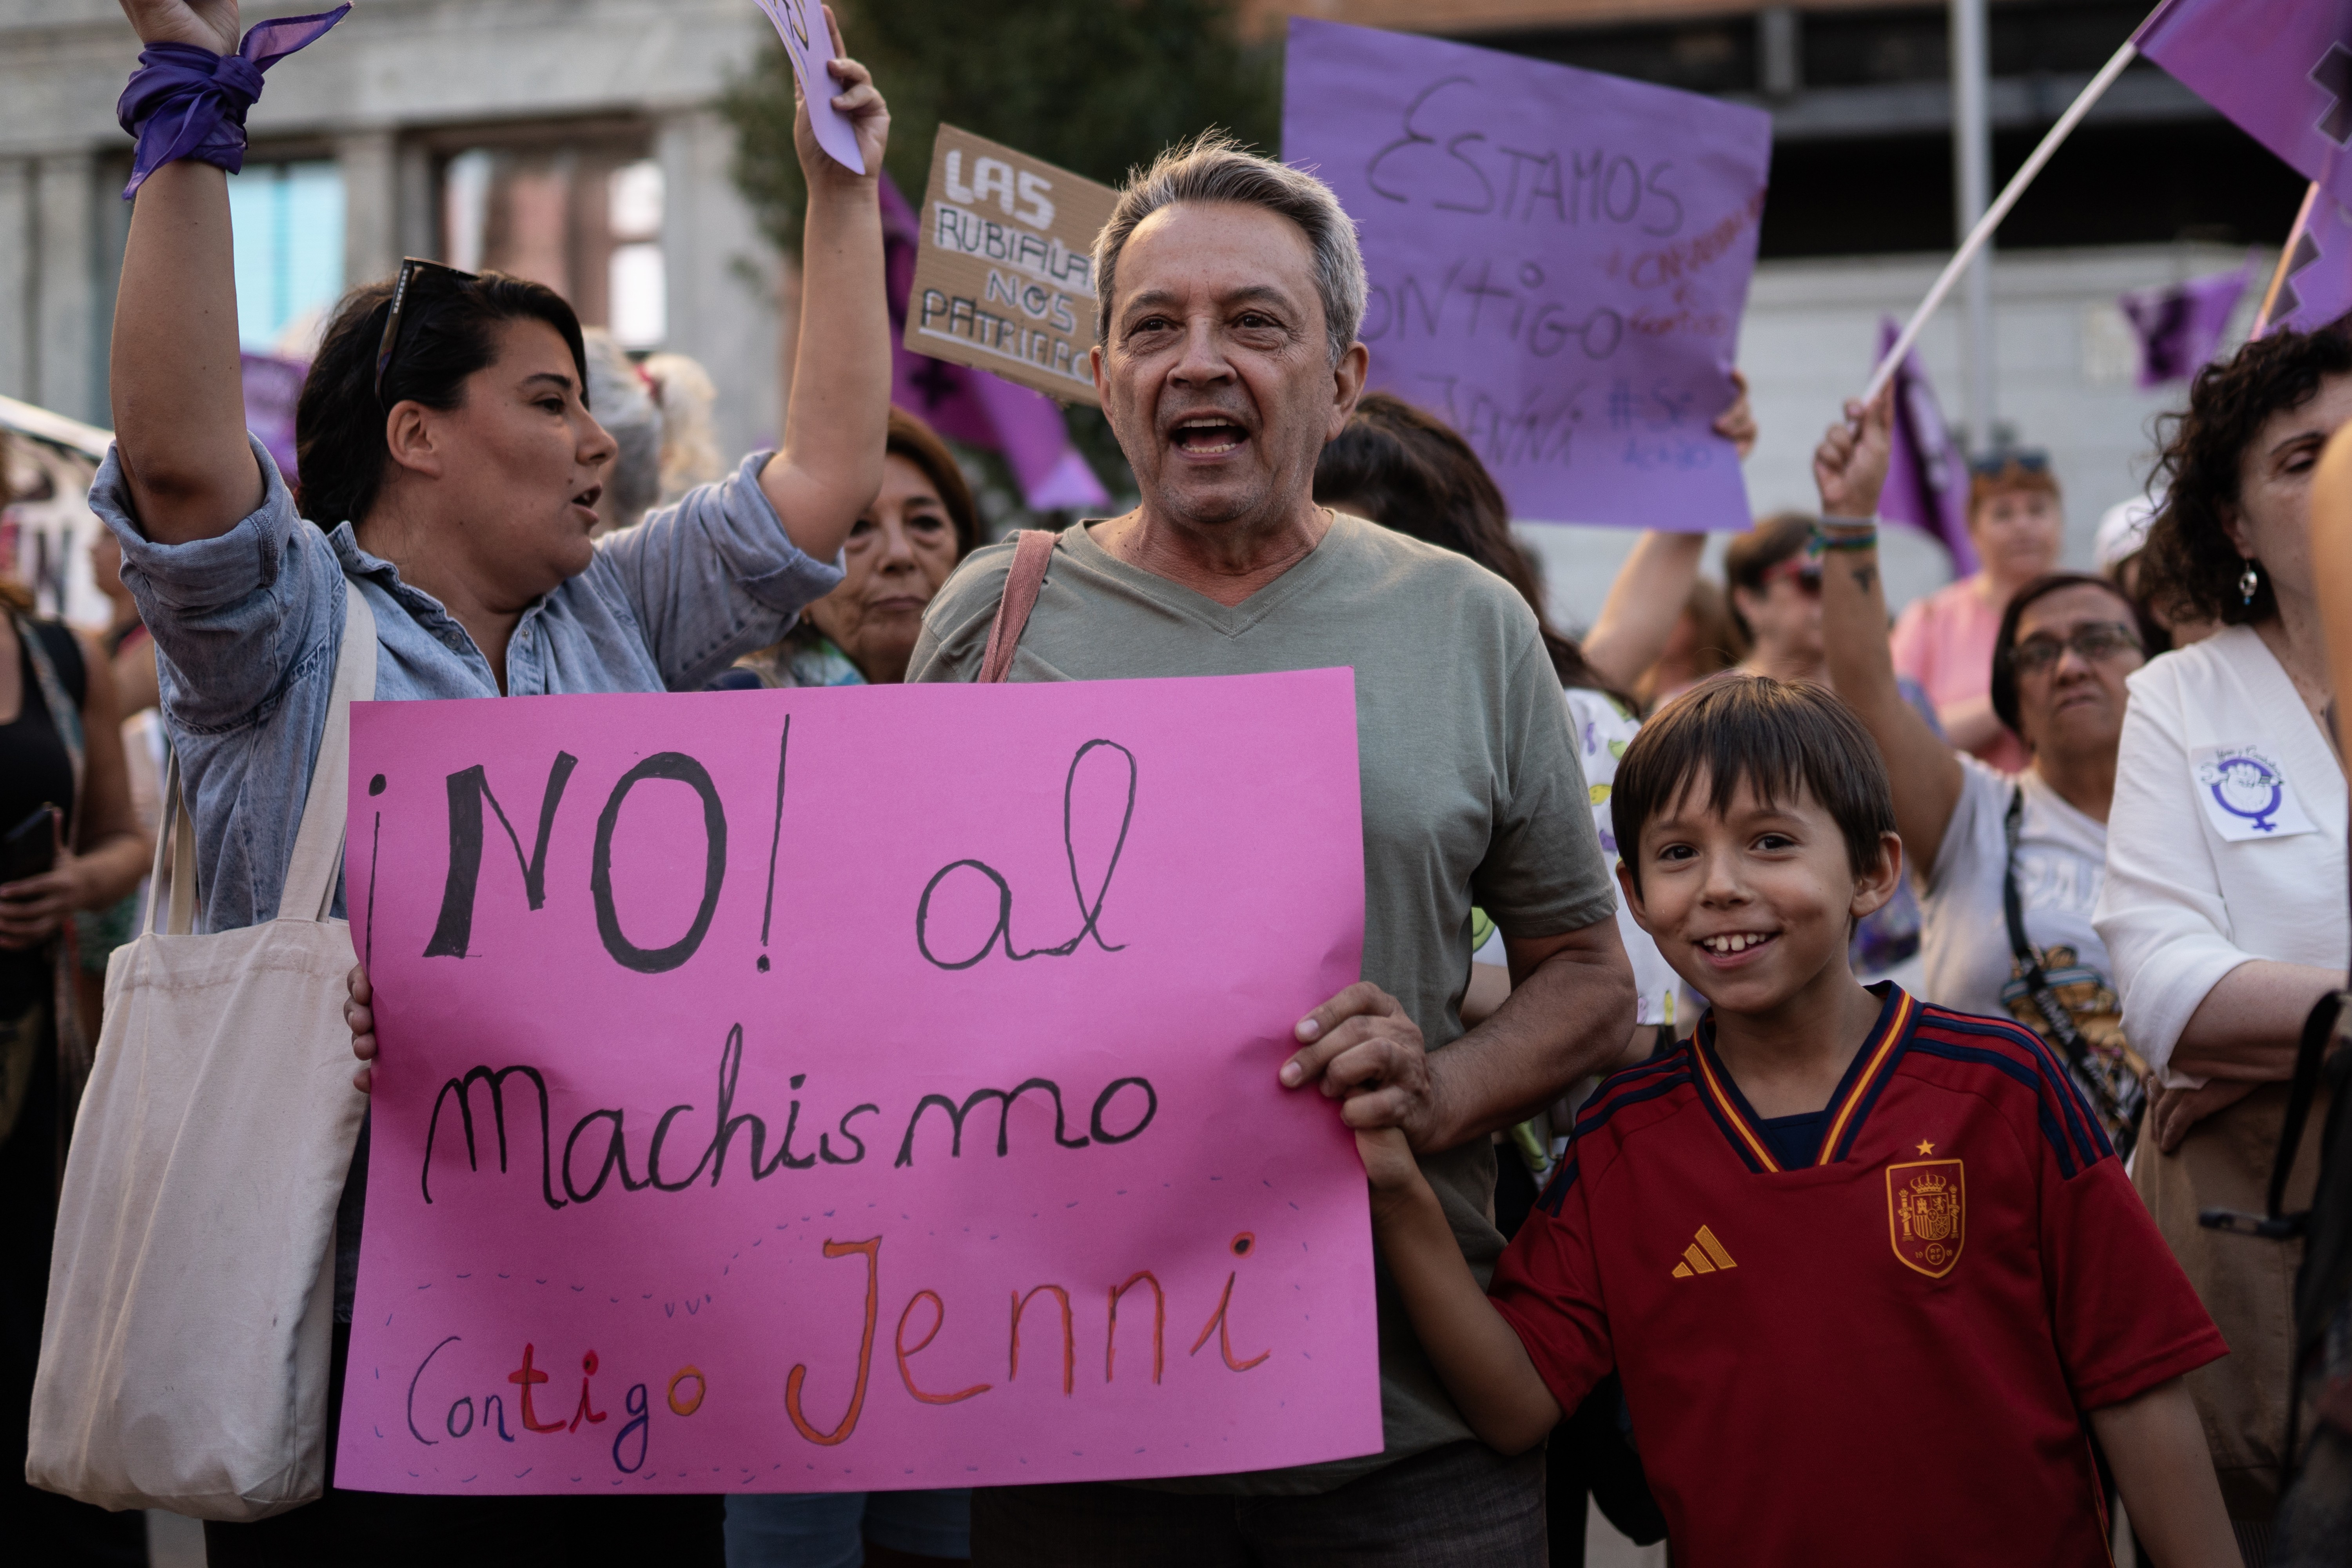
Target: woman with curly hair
x: 2224, y: 908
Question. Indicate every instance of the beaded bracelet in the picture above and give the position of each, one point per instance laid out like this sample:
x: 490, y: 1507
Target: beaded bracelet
x: 1831, y: 534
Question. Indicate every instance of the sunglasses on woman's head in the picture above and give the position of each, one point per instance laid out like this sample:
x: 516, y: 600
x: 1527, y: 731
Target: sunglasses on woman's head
x: 2096, y: 641
x: 1992, y: 465
x: 411, y: 267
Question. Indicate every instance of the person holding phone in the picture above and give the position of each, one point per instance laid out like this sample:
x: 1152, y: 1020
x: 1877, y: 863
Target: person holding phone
x: 68, y: 843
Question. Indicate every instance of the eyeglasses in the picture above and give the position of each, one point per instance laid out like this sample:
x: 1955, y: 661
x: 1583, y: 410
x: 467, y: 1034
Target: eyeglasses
x: 1806, y: 575
x: 2095, y: 641
x: 410, y: 266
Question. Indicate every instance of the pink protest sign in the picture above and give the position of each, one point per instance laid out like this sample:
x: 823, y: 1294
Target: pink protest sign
x: 808, y: 38
x: 860, y: 1088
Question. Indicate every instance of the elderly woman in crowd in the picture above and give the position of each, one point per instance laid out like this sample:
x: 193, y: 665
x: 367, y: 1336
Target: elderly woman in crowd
x: 1943, y: 641
x: 450, y: 470
x: 2008, y: 866
x: 2224, y: 905
x: 900, y: 550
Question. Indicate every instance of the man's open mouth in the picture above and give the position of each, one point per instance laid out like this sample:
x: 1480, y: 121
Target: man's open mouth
x: 589, y: 497
x: 1209, y: 436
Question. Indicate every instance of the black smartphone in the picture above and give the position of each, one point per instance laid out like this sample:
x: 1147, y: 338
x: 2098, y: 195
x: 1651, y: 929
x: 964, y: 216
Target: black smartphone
x: 29, y: 849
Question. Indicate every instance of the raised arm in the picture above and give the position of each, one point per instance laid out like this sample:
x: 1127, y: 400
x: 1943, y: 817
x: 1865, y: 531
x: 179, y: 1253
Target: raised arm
x: 1644, y: 601
x: 1849, y: 468
x: 179, y: 400
x: 831, y: 465
x: 1638, y: 618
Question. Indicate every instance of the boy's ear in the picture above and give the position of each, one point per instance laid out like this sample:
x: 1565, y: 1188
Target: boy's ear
x: 1877, y: 886
x: 1632, y: 892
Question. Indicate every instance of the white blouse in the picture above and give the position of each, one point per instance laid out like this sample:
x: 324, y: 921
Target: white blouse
x: 2226, y: 841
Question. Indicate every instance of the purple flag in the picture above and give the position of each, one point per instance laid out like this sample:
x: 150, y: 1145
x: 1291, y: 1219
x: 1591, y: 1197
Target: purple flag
x: 273, y: 385
x: 972, y: 406
x: 2180, y: 327
x: 1558, y: 260
x: 2281, y: 69
x: 1927, y: 477
x: 2318, y: 284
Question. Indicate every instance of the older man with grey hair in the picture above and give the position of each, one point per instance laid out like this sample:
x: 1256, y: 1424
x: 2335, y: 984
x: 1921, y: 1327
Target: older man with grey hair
x: 1230, y: 292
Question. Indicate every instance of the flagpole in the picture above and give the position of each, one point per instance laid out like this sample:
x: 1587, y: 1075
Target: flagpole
x: 2287, y: 258
x: 1979, y: 236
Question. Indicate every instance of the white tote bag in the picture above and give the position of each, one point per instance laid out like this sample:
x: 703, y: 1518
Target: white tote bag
x: 190, y: 1308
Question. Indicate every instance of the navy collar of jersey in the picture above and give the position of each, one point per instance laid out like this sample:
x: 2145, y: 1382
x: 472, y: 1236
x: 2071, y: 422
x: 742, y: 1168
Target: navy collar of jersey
x: 1898, y: 1012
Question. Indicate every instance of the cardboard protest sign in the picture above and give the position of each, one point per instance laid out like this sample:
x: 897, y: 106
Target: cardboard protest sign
x: 1559, y: 262
x: 1005, y: 278
x: 843, y: 1089
x: 808, y: 43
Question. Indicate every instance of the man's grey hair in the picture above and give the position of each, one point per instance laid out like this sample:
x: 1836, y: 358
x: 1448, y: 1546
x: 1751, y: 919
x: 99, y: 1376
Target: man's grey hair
x: 1213, y: 167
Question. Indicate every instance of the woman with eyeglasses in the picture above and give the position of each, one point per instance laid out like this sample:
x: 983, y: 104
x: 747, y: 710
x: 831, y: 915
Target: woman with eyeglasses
x: 450, y: 470
x: 2224, y: 902
x: 2008, y: 866
x: 2017, y: 523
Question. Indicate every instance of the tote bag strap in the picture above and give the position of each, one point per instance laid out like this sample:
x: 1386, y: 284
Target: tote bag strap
x: 309, y: 888
x: 1032, y: 553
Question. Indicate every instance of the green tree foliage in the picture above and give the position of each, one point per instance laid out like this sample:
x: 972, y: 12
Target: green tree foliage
x: 1096, y: 86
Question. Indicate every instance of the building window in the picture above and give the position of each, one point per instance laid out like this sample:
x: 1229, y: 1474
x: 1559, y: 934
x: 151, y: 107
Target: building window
x: 288, y: 223
x: 580, y: 211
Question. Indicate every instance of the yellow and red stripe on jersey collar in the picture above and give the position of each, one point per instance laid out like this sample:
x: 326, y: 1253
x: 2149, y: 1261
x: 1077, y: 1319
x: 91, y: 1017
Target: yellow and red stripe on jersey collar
x: 1848, y: 1106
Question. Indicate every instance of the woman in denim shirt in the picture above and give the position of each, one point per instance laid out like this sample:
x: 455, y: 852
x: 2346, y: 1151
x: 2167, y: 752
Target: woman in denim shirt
x: 450, y: 470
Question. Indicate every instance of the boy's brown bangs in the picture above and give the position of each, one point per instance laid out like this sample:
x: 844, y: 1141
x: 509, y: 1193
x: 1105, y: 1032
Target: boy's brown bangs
x: 1779, y: 739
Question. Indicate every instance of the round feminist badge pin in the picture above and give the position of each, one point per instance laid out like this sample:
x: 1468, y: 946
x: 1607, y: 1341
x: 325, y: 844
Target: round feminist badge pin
x: 2246, y: 794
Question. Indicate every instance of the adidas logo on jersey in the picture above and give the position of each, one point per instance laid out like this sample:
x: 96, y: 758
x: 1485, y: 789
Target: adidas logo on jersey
x: 1703, y: 1255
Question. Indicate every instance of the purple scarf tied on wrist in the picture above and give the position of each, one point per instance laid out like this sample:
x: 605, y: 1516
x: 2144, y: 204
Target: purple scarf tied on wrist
x: 188, y: 102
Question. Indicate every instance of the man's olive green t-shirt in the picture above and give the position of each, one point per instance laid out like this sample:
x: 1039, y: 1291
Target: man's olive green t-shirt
x: 1472, y: 794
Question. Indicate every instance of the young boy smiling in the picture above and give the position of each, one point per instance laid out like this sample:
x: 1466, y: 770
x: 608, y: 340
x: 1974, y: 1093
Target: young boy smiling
x: 1869, y: 1271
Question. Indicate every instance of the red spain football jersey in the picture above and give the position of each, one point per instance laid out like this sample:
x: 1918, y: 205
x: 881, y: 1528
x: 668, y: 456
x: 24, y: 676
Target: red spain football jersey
x: 1886, y: 1356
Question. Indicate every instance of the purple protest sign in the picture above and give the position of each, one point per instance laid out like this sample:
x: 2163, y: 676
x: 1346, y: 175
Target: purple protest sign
x: 2181, y: 326
x: 1558, y: 258
x: 273, y: 386
x: 808, y: 41
x: 2283, y: 73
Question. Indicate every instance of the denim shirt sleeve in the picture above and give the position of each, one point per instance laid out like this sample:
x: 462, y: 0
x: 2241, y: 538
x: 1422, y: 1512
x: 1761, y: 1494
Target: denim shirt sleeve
x: 233, y: 616
x: 713, y: 576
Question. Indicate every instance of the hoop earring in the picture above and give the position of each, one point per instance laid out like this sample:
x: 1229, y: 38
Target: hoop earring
x: 2248, y: 581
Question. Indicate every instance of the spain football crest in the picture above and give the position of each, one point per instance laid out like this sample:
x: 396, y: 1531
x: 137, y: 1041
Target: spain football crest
x: 1926, y: 1214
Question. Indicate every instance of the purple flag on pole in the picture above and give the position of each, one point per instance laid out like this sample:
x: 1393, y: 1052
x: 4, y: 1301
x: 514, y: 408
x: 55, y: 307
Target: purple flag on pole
x: 273, y: 385
x: 972, y: 406
x: 1558, y: 260
x: 2181, y: 326
x: 1927, y: 477
x: 2318, y: 285
x: 2281, y: 69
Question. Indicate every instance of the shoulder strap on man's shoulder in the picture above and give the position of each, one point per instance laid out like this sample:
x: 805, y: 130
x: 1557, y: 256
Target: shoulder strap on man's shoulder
x: 1033, y: 551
